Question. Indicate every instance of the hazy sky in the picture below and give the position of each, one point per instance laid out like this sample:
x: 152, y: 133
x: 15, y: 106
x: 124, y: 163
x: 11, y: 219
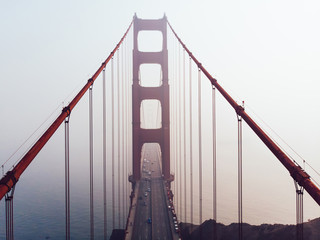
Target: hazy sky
x: 266, y: 53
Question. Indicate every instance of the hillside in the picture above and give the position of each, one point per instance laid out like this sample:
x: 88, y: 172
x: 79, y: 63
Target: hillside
x: 250, y: 232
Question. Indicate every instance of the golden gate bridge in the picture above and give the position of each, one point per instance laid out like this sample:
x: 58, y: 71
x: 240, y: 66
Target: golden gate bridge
x: 175, y: 142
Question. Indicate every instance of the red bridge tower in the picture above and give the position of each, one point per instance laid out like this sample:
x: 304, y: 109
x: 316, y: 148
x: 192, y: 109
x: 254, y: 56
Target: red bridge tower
x: 140, y: 93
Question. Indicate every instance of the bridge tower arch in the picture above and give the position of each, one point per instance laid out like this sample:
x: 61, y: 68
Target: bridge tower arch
x: 140, y: 93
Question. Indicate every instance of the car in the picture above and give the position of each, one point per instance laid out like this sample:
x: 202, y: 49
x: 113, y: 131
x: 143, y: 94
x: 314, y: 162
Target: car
x: 149, y: 220
x: 146, y: 194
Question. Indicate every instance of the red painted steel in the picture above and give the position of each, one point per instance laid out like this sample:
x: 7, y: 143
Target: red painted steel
x: 11, y: 177
x: 161, y: 93
x: 296, y: 172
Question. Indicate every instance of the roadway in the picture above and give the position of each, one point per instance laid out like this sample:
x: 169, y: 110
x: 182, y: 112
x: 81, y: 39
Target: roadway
x: 152, y: 201
x: 142, y: 229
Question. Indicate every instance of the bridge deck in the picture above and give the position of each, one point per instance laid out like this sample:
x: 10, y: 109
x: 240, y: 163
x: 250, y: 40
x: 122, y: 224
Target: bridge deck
x: 153, y: 219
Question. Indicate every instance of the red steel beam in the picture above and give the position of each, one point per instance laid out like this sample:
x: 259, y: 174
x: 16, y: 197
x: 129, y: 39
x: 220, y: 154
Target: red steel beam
x: 296, y: 172
x: 11, y: 177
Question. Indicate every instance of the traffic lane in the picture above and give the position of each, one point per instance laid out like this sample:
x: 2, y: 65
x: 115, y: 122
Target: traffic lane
x: 142, y: 230
x: 161, y: 228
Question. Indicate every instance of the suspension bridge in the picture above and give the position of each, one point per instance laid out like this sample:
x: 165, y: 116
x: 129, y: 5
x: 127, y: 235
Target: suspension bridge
x: 152, y: 143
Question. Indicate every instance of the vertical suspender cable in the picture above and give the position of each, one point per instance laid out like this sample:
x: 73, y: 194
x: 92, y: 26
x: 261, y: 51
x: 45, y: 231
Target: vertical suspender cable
x: 170, y: 111
x: 8, y: 218
x: 240, y: 176
x: 123, y: 146
x: 128, y: 120
x: 297, y: 213
x: 11, y: 218
x: 172, y: 128
x: 184, y: 136
x: 180, y: 128
x: 200, y: 146
x: 301, y: 213
x: 177, y: 129
x: 91, y: 164
x: 172, y: 147
x: 113, y: 145
x: 172, y: 116
x: 8, y: 215
x: 126, y: 123
x: 191, y: 167
x: 176, y: 132
x: 67, y: 179
x: 214, y: 164
x: 104, y: 145
x: 118, y: 165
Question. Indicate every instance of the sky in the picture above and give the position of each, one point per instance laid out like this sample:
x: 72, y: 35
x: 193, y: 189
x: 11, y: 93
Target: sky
x: 265, y: 53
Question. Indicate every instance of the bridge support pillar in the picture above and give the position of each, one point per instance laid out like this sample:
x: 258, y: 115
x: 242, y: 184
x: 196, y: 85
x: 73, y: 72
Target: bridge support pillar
x: 140, y: 93
x: 299, y: 211
x: 9, y: 214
